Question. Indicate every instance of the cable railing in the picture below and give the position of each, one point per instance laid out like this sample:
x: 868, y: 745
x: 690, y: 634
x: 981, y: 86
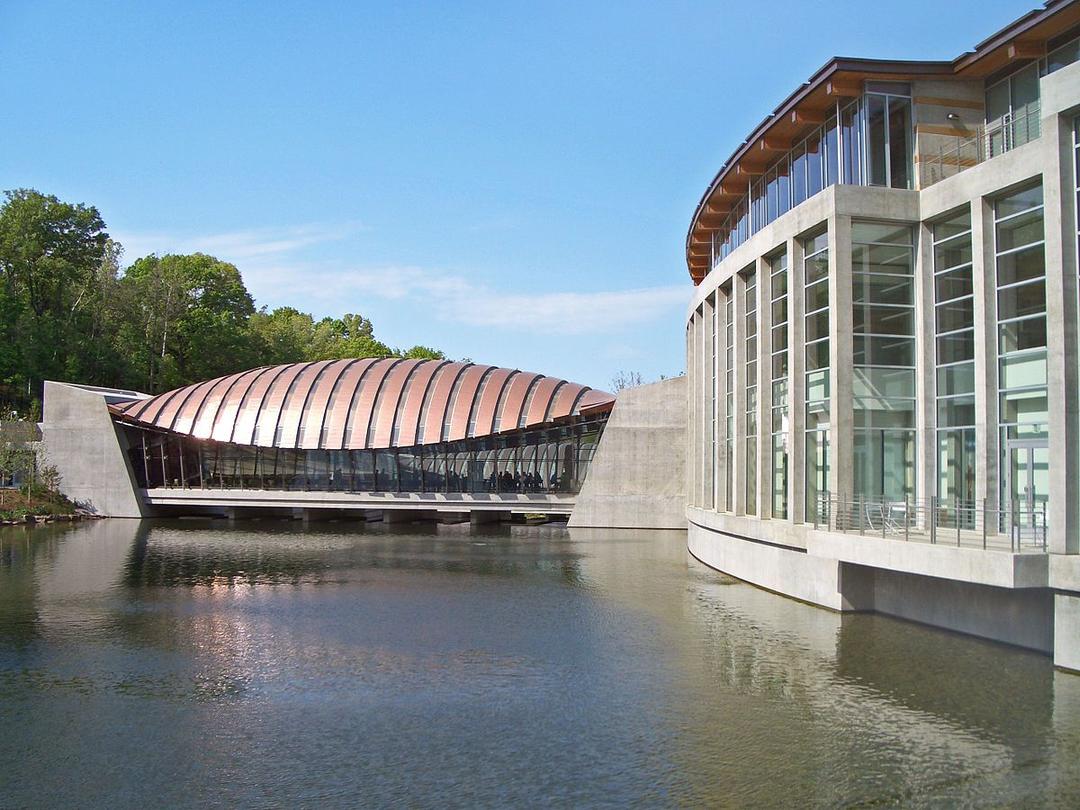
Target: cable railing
x: 1019, y: 527
x: 958, y: 152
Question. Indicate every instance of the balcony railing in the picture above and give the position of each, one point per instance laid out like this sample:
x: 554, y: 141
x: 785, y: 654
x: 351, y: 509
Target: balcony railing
x: 1020, y: 527
x: 956, y: 153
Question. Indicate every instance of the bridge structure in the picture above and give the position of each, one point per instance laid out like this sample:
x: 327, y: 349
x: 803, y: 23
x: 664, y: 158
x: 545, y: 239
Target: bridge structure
x: 389, y: 506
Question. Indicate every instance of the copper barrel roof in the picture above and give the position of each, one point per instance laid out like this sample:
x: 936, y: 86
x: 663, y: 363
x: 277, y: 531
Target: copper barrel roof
x: 363, y: 404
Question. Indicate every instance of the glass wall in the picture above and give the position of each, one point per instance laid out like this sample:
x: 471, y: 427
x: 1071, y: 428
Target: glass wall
x: 883, y: 355
x: 710, y: 444
x: 869, y: 142
x: 1012, y: 110
x: 1021, y: 324
x: 751, y: 366
x: 554, y: 459
x: 729, y: 397
x: 888, y: 135
x: 778, y: 268
x: 816, y: 331
x: 954, y: 330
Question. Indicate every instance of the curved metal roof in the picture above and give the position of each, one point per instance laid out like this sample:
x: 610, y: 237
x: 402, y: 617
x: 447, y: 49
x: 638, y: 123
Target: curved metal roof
x: 373, y: 403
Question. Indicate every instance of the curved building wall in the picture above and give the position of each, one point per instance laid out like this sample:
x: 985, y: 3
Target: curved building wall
x: 902, y: 362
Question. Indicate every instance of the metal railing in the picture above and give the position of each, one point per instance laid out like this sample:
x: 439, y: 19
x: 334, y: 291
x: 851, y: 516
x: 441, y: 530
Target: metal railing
x: 959, y: 152
x: 1019, y: 527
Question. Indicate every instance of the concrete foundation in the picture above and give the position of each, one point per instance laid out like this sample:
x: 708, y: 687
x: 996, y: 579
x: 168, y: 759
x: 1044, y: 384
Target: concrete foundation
x: 1016, y: 599
x: 637, y: 478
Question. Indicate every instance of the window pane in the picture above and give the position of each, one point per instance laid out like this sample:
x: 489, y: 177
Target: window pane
x: 881, y: 232
x: 1020, y: 266
x: 886, y: 383
x: 1019, y: 407
x: 875, y: 131
x: 900, y: 142
x: 955, y: 315
x: 958, y: 412
x: 817, y: 355
x: 881, y: 289
x: 1027, y: 299
x: 817, y: 386
x: 951, y: 227
x: 1023, y: 371
x: 817, y: 325
x: 1019, y: 335
x: 779, y: 337
x: 883, y: 351
x: 957, y: 347
x: 831, y: 156
x: 956, y: 380
x: 953, y: 284
x: 887, y: 259
x: 813, y: 165
x: 798, y: 175
x: 1024, y: 229
x: 1019, y: 201
x: 817, y: 295
x: 953, y: 253
x: 883, y: 320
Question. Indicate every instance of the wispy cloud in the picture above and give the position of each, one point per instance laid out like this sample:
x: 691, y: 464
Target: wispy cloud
x: 277, y: 272
x: 237, y: 246
x: 455, y: 299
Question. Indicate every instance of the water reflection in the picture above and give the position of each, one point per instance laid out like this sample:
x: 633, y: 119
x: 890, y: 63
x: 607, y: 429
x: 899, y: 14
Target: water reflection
x: 202, y: 663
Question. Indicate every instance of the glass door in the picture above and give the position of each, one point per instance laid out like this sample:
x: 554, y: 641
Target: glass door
x: 1012, y: 111
x: 1027, y: 486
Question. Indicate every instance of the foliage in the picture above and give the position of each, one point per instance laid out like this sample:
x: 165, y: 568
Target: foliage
x: 68, y: 312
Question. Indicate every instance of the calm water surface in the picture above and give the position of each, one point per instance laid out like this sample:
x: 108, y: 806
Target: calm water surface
x: 263, y: 664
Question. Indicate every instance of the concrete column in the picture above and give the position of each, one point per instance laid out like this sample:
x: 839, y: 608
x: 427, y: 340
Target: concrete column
x: 690, y: 369
x: 925, y: 363
x: 724, y: 474
x: 764, y: 389
x: 738, y: 289
x: 693, y: 368
x: 796, y: 383
x: 984, y: 286
x: 708, y: 484
x: 1061, y: 363
x: 841, y: 418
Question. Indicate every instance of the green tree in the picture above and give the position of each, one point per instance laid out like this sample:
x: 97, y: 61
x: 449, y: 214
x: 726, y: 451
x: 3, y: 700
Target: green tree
x: 282, y: 335
x: 421, y: 353
x: 187, y: 320
x: 348, y: 336
x: 51, y: 257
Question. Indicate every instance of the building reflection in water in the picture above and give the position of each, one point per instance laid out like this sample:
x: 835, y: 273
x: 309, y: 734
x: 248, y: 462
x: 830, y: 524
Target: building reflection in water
x: 193, y: 631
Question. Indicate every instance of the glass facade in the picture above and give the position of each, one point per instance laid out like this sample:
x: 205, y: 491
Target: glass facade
x: 751, y: 366
x: 553, y: 459
x: 817, y: 384
x: 867, y: 142
x: 1021, y: 333
x: 883, y: 356
x: 778, y: 267
x: 954, y: 353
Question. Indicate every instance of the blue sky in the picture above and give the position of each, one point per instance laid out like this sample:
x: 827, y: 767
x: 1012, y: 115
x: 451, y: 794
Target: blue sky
x: 510, y: 182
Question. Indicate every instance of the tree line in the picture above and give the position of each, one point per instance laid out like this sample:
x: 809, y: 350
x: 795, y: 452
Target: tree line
x: 69, y: 311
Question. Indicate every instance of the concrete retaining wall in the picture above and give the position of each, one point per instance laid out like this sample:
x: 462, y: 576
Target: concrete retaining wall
x: 88, y: 451
x: 637, y: 479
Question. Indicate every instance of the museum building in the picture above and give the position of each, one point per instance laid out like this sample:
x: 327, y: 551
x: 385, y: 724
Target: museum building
x: 882, y: 341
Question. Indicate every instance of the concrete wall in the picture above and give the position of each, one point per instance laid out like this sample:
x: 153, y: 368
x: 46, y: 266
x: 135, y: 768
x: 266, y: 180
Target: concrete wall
x: 1022, y: 616
x: 88, y: 450
x: 785, y: 570
x: 638, y: 475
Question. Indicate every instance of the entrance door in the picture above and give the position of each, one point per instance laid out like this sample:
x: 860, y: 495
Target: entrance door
x: 1027, y: 486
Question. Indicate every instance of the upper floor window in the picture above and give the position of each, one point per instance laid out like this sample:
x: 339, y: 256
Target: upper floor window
x: 1012, y: 110
x: 888, y: 135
